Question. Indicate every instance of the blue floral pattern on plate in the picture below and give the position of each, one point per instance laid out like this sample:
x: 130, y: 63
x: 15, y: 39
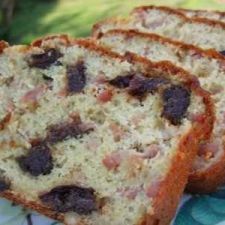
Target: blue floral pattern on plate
x: 203, y: 210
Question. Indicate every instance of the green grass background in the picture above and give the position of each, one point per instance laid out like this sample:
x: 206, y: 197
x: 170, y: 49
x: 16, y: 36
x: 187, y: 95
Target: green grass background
x: 35, y: 18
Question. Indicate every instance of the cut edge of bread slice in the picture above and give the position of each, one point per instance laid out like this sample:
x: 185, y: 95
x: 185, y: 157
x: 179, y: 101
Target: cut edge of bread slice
x: 208, y: 14
x: 200, y: 181
x: 164, y: 204
x: 166, y: 25
x: 180, y: 14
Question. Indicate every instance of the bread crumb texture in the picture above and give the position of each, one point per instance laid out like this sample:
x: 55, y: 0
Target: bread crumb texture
x: 88, y: 137
x: 207, y: 35
x: 209, y: 70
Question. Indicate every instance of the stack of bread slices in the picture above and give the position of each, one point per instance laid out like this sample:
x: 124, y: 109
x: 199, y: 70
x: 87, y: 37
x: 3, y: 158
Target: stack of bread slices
x: 111, y: 129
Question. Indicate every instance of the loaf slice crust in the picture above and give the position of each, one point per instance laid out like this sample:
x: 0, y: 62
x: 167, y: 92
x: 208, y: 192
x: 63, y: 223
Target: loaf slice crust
x: 95, y: 150
x: 209, y: 167
x: 170, y: 23
x: 208, y: 14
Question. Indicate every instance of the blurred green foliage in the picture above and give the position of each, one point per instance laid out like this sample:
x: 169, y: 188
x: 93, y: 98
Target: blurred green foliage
x: 35, y: 18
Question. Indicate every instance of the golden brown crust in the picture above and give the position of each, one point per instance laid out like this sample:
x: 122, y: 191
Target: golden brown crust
x: 14, y: 197
x: 163, y: 8
x: 97, y: 32
x: 208, y: 180
x: 96, y: 29
x: 152, y: 36
x: 189, y: 80
x: 164, y: 203
x: 222, y: 14
x: 3, y: 45
x: 38, y: 42
x: 209, y: 22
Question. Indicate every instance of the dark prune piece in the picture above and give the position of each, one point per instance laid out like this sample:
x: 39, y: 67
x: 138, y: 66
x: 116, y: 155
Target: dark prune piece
x: 63, y: 131
x: 121, y: 81
x: 4, y: 185
x: 38, y: 161
x: 71, y: 198
x: 152, y: 84
x: 222, y: 53
x: 176, y: 100
x: 76, y: 77
x: 137, y: 86
x: 46, y: 59
x: 140, y: 85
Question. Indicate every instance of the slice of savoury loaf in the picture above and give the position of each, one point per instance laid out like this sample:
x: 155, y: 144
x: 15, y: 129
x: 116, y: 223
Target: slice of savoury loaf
x: 209, y: 66
x: 21, y: 86
x: 109, y: 141
x: 170, y: 23
x: 209, y: 14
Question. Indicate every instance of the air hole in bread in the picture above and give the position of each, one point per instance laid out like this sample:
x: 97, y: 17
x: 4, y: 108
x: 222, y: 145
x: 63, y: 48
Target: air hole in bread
x: 47, y: 78
x: 121, y: 81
